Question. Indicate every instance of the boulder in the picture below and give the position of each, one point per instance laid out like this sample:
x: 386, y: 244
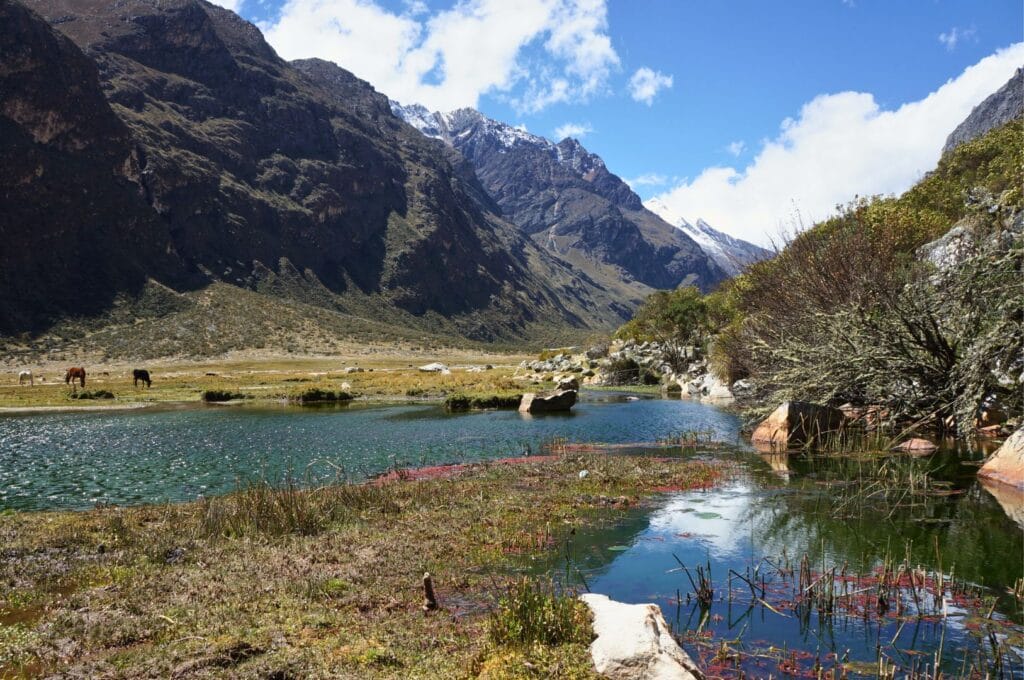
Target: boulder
x: 436, y: 367
x: 569, y: 383
x: 742, y: 386
x: 1006, y: 465
x: 796, y: 423
x: 547, y: 402
x: 635, y: 643
x: 917, y: 446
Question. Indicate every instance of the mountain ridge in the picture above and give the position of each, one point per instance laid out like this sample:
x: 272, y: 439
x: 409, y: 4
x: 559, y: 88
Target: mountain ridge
x: 233, y: 166
x: 566, y: 200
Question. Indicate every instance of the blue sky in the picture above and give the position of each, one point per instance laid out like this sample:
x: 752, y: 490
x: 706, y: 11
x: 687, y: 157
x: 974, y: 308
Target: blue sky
x: 856, y: 79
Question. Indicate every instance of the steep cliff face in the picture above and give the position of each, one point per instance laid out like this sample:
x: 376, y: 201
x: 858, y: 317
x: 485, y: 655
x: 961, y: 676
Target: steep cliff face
x: 75, y: 226
x: 568, y: 201
x: 999, y: 108
x: 208, y: 158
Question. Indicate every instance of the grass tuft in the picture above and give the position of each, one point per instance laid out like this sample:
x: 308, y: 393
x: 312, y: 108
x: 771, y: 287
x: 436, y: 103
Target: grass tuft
x: 531, y: 612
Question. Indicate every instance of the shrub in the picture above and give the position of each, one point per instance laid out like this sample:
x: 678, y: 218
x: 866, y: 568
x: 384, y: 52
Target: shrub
x: 220, y: 395
x: 94, y: 394
x: 530, y: 612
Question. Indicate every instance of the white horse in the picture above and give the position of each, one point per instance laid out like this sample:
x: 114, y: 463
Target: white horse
x: 26, y: 376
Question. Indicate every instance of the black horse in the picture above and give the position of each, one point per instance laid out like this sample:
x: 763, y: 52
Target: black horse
x: 143, y: 375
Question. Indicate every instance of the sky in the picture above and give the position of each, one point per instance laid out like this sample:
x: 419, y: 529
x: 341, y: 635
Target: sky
x: 755, y: 116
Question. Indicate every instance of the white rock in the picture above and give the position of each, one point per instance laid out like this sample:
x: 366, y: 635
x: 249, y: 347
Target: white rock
x: 634, y: 642
x: 436, y: 367
x: 584, y: 474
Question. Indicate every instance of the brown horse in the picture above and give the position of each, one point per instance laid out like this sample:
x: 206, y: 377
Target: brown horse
x: 79, y: 373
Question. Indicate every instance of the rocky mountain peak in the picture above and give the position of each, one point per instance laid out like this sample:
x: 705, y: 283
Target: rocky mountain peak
x: 1002, y: 106
x: 733, y: 255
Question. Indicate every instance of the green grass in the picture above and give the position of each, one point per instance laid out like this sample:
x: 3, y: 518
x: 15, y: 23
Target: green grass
x: 324, y: 582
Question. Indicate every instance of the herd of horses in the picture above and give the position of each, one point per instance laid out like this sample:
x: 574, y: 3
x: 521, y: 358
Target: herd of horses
x: 77, y: 373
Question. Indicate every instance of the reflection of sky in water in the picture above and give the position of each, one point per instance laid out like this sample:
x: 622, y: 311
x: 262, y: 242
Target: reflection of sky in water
x: 73, y: 460
x: 758, y: 515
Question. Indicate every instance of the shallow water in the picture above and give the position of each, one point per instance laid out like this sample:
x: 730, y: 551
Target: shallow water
x: 772, y: 512
x: 76, y: 460
x: 778, y: 509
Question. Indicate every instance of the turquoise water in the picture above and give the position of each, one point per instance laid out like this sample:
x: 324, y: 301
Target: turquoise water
x: 76, y: 460
x: 772, y: 512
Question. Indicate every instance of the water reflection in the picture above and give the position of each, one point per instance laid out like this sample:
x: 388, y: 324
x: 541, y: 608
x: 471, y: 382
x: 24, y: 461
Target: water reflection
x: 783, y: 509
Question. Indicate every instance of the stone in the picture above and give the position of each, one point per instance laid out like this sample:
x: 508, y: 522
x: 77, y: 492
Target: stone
x: 635, y: 643
x: 796, y: 423
x: 742, y: 386
x: 569, y: 383
x: 917, y: 446
x: 547, y: 402
x: 1006, y: 465
x: 353, y: 369
x: 436, y: 367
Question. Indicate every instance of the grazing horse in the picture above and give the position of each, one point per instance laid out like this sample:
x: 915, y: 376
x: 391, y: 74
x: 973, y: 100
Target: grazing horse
x: 143, y: 375
x: 26, y: 375
x: 72, y: 374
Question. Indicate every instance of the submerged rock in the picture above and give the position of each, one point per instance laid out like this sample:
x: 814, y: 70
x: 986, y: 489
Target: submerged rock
x: 1006, y: 465
x: 917, y: 446
x: 634, y: 642
x: 796, y: 423
x: 547, y: 402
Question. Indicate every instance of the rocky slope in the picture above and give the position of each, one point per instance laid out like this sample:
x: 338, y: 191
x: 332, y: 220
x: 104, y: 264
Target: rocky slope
x: 189, y: 153
x: 567, y: 201
x: 999, y: 108
x: 733, y: 255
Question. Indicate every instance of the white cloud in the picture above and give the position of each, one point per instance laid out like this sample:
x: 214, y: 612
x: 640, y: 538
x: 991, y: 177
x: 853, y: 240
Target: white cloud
x: 955, y: 36
x: 736, y: 148
x: 839, y: 146
x: 233, y: 5
x: 532, y: 52
x: 649, y: 179
x: 646, y: 83
x: 576, y: 130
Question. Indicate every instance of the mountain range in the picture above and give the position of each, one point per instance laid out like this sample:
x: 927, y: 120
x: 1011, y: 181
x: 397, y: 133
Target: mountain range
x: 157, y: 155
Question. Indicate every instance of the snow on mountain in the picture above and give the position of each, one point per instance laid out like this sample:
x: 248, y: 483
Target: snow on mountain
x: 730, y: 253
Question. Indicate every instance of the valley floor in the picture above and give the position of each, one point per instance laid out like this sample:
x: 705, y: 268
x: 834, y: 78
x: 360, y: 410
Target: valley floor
x: 371, y: 372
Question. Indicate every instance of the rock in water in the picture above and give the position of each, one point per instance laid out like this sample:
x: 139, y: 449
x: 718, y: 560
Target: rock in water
x: 1007, y: 464
x: 635, y: 643
x: 917, y: 446
x: 796, y: 423
x: 547, y: 402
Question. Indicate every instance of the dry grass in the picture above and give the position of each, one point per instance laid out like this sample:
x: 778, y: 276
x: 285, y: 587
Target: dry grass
x: 386, y: 374
x: 318, y: 583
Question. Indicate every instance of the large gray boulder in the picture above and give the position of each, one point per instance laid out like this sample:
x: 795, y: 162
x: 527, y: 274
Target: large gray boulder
x: 635, y: 643
x: 547, y: 402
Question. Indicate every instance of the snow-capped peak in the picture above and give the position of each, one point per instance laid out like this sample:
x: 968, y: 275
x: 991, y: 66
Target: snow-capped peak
x: 730, y: 253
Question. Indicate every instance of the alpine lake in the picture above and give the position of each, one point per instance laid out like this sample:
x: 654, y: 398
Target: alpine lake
x: 796, y: 566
